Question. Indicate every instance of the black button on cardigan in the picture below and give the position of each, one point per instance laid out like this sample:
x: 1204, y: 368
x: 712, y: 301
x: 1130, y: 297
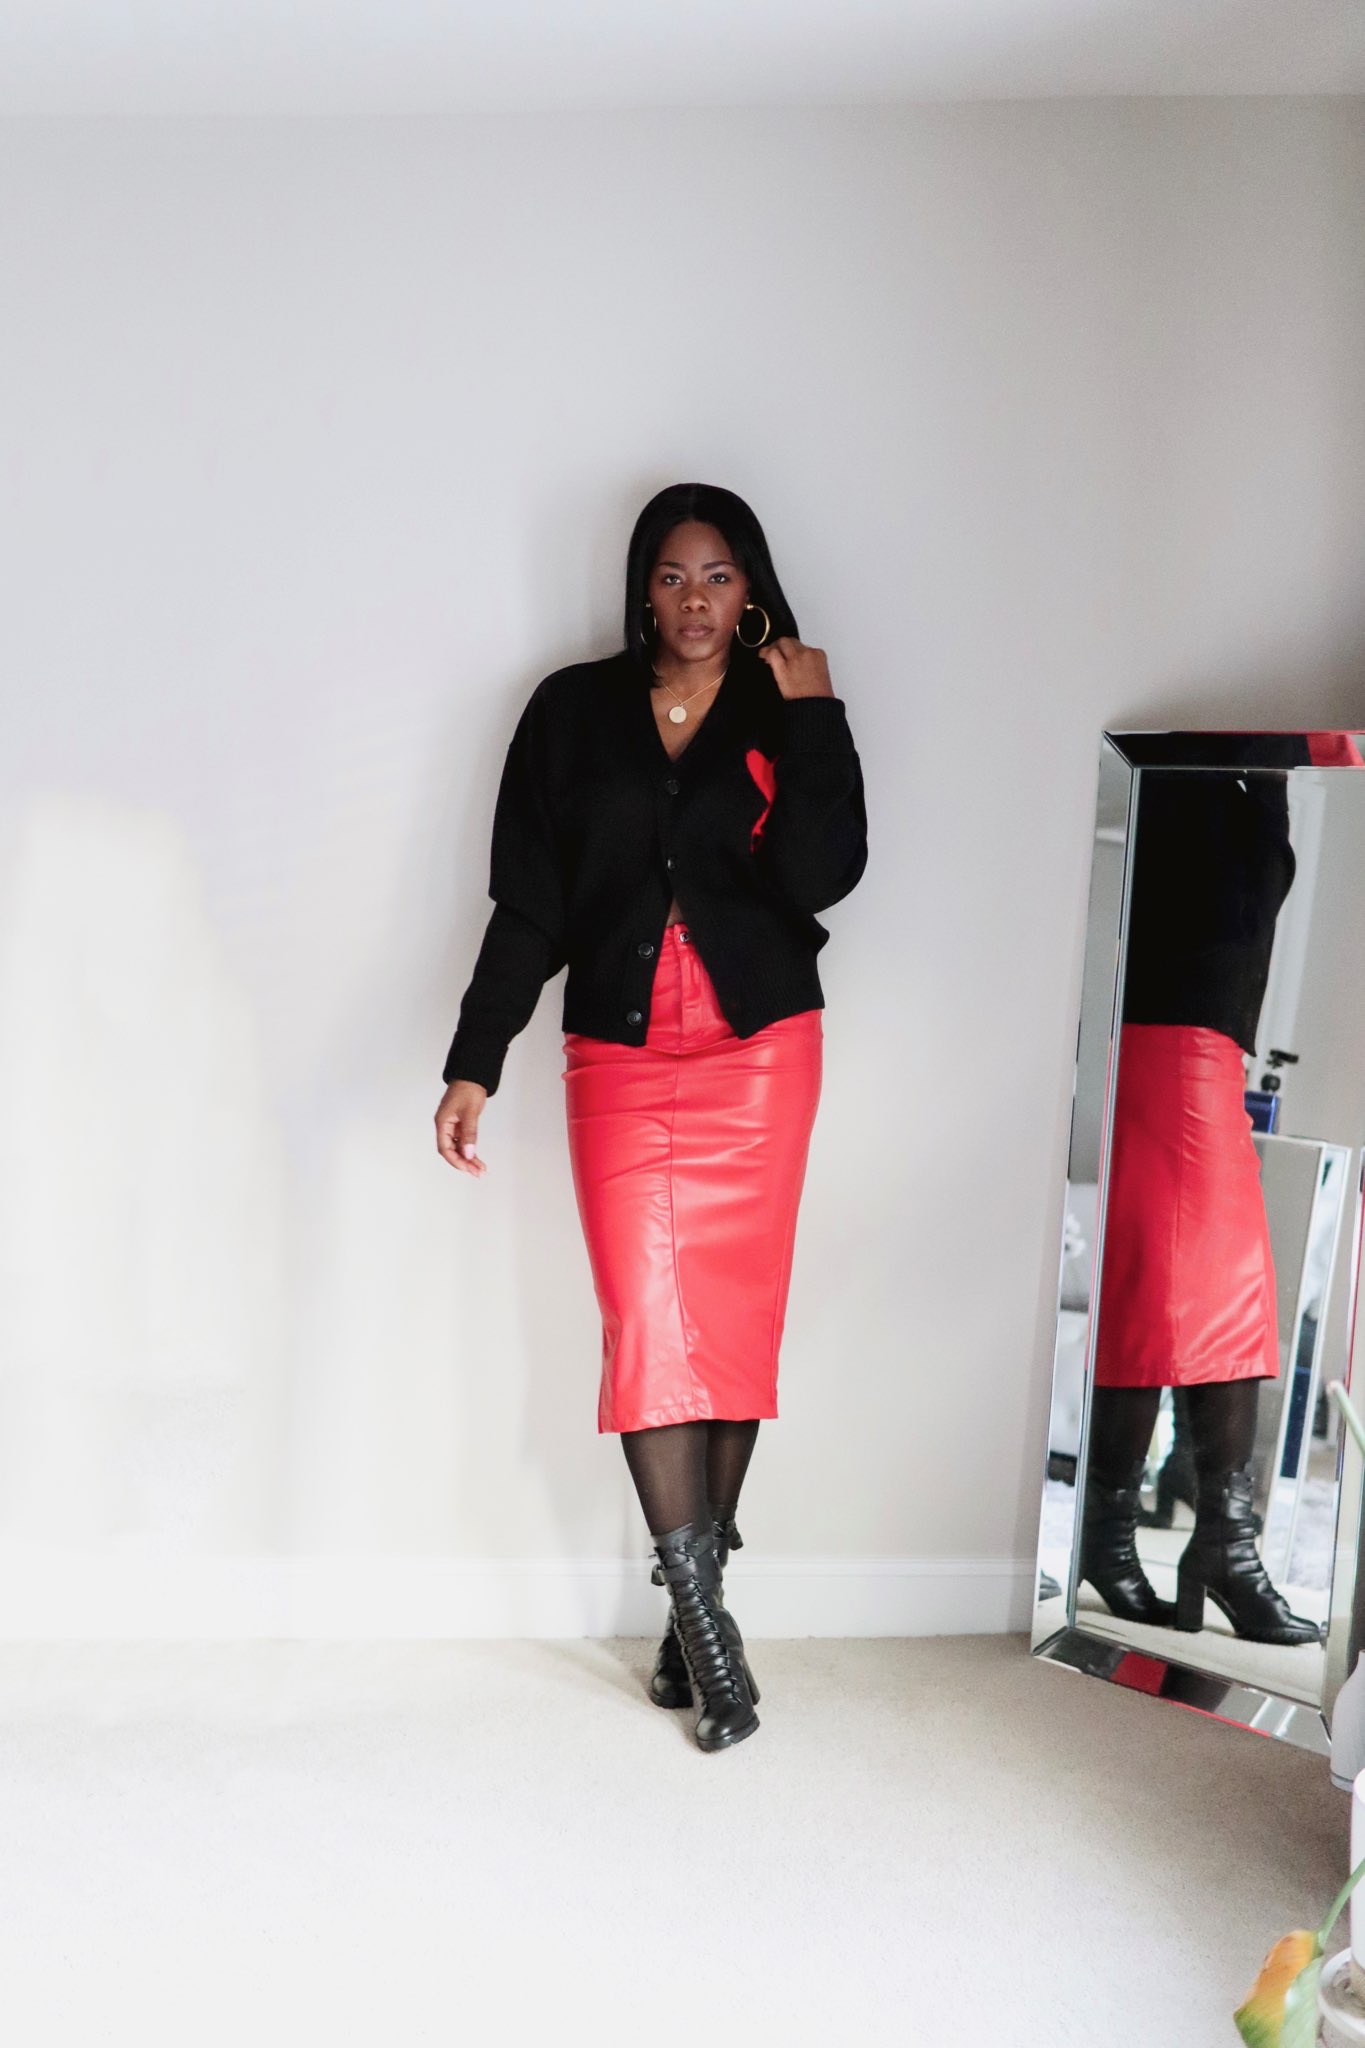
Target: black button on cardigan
x: 761, y: 818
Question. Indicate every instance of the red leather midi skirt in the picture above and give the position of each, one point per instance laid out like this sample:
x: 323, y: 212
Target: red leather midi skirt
x: 1187, y: 1291
x: 689, y: 1158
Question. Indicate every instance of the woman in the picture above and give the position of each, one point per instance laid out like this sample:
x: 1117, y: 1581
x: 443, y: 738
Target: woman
x: 1187, y: 1288
x: 669, y: 821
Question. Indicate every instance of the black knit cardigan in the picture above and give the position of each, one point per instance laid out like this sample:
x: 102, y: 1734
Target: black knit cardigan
x: 758, y: 824
x: 1212, y: 865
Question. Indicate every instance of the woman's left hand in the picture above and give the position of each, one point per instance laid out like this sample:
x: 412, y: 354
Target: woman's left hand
x: 800, y: 671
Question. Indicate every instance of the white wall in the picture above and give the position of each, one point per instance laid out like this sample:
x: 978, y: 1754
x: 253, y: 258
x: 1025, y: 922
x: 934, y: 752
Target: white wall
x: 322, y: 443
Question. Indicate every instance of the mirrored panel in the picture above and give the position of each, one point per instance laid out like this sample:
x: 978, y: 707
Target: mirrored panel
x: 1201, y: 1509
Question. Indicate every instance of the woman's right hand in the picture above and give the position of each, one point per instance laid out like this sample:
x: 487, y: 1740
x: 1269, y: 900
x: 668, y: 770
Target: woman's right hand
x: 457, y: 1125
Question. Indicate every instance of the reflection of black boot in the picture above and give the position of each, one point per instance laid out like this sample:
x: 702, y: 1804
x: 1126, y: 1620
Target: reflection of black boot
x: 713, y: 1656
x: 1221, y: 1559
x: 1109, y: 1558
x: 1175, y: 1481
x: 669, y: 1684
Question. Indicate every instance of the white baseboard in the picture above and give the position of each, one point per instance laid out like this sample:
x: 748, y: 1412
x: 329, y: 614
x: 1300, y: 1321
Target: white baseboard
x: 48, y: 1596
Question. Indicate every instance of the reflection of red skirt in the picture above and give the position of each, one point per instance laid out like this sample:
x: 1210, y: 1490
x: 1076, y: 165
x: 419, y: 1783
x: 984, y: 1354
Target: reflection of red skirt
x: 1187, y: 1292
x: 689, y: 1157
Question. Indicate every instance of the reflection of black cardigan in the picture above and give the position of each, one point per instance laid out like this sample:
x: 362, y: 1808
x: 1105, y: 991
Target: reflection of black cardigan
x: 595, y: 830
x: 1212, y: 864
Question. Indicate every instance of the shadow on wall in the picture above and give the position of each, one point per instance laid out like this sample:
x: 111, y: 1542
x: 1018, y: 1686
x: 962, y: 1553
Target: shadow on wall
x: 140, y: 1198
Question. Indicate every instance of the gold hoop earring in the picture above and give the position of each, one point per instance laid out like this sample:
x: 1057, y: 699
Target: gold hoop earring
x: 767, y: 628
x: 644, y: 642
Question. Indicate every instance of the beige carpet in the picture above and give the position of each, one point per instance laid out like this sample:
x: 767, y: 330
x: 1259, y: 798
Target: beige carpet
x: 937, y: 1842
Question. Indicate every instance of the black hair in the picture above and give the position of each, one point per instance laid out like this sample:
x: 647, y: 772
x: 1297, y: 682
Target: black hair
x: 743, y: 536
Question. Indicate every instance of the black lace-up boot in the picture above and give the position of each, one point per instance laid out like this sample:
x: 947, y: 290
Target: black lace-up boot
x: 1221, y: 1559
x: 714, y: 1659
x: 1109, y: 1556
x: 669, y: 1684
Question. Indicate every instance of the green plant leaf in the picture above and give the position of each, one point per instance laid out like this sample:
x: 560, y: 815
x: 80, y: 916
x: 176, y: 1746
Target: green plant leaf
x: 1343, y: 1400
x: 1260, y: 2016
x: 1338, y: 1905
x: 1300, y: 2029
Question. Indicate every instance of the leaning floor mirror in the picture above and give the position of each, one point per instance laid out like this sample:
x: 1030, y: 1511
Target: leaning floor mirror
x: 1201, y: 1504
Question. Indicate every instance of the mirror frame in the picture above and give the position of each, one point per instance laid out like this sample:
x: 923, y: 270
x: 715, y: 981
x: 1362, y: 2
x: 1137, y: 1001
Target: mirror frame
x: 1076, y: 1647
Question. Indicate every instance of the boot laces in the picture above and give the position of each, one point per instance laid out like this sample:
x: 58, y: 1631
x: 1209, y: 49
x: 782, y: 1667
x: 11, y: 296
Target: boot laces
x: 705, y: 1650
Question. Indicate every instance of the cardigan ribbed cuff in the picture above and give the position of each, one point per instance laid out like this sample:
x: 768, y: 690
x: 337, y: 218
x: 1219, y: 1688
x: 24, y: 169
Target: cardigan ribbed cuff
x: 475, y: 1056
x: 816, y: 725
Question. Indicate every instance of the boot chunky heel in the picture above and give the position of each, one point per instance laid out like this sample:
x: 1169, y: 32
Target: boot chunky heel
x: 1189, y: 1596
x: 712, y: 1653
x: 669, y: 1684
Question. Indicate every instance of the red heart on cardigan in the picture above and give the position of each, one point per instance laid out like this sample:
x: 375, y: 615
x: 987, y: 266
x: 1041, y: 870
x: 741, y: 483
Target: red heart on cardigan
x: 764, y: 772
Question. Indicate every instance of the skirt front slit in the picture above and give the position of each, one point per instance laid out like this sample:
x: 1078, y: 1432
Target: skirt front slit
x: 689, y: 1157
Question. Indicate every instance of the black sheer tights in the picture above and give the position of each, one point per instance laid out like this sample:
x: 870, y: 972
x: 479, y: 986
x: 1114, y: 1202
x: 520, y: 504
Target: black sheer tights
x: 1222, y: 1417
x: 688, y: 1471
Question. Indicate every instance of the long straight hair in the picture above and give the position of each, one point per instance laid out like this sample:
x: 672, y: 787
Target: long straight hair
x: 743, y: 536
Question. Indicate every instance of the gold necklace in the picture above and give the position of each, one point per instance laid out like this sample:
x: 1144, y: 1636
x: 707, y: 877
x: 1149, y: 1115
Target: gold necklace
x: 677, y: 713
